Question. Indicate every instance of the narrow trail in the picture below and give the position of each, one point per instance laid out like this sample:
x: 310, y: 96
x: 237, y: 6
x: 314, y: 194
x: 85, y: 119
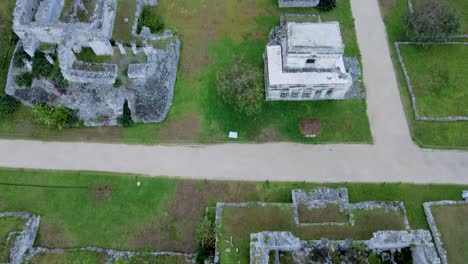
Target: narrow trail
x: 392, y: 158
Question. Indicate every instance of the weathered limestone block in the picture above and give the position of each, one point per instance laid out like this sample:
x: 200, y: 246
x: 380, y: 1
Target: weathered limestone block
x: 102, y: 48
x: 298, y: 3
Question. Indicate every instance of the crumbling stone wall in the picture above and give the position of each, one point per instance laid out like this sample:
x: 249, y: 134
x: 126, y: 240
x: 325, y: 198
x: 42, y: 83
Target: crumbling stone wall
x: 298, y: 3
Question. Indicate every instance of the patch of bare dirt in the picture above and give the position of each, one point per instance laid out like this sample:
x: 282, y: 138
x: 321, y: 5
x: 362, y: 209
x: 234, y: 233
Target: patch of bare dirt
x: 268, y: 134
x: 386, y: 5
x: 185, y: 129
x: 53, y: 236
x: 102, y: 193
x: 177, y: 231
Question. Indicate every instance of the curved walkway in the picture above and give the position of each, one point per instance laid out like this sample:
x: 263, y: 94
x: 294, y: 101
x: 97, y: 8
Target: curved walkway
x: 393, y: 157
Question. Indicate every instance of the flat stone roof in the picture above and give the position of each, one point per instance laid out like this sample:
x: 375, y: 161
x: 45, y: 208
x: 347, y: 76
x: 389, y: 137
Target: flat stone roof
x: 276, y: 76
x: 326, y: 34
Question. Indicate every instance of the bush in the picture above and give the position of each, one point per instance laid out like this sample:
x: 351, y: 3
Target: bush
x: 24, y: 79
x: 59, y: 117
x: 41, y: 68
x: 326, y: 5
x: 20, y: 54
x: 125, y: 119
x: 150, y: 19
x: 8, y: 104
x: 58, y: 78
x: 241, y: 86
x: 206, y: 237
x: 118, y: 83
x: 433, y: 21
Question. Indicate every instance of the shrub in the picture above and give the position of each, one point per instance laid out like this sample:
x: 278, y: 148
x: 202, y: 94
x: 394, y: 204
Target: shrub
x: 326, y: 5
x: 59, y: 117
x: 434, y: 20
x: 125, y: 119
x: 58, y: 78
x: 206, y: 237
x: 24, y: 79
x: 241, y: 86
x: 8, y: 104
x: 20, y: 54
x: 118, y: 83
x: 41, y: 68
x: 150, y: 19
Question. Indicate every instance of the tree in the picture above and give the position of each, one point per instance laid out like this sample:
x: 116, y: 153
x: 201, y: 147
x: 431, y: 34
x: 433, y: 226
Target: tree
x: 326, y: 5
x: 125, y: 119
x: 151, y: 19
x: 433, y: 21
x: 24, y: 79
x: 41, y: 67
x: 241, y: 86
x: 8, y: 104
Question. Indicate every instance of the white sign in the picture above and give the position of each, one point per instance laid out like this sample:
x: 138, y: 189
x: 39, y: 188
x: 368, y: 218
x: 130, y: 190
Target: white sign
x: 233, y: 135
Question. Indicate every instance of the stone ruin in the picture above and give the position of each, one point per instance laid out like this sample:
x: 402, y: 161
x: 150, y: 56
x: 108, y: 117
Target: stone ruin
x: 149, y: 86
x: 384, y: 244
x: 23, y: 249
x: 298, y: 3
x: 304, y: 61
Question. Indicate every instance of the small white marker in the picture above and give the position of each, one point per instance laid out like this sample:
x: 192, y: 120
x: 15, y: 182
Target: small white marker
x: 138, y: 183
x: 233, y: 135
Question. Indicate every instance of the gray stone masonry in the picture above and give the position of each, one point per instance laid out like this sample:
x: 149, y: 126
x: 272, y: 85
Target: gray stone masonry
x: 298, y: 3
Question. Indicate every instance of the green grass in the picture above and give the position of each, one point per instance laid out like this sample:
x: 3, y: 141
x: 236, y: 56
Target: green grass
x: 240, y: 222
x: 461, y: 6
x: 439, y: 76
x: 330, y: 213
x: 427, y: 134
x: 8, y: 225
x: 451, y: 222
x: 7, y: 44
x: 213, y: 34
x: 142, y: 259
x: 167, y: 210
x: 70, y: 257
x: 123, y: 31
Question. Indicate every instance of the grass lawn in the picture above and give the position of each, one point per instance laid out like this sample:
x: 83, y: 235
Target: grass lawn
x: 460, y: 5
x: 8, y: 225
x: 439, y: 75
x: 239, y: 223
x: 165, y: 213
x: 429, y: 134
x: 75, y: 257
x: 7, y: 45
x: 213, y: 34
x: 154, y: 259
x: 330, y: 213
x: 123, y: 31
x: 451, y: 222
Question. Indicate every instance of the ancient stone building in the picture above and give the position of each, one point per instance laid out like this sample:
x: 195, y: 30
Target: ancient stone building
x: 298, y: 3
x: 304, y: 61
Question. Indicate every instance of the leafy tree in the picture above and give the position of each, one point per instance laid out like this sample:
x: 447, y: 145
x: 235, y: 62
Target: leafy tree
x: 125, y: 119
x: 59, y: 117
x: 241, y: 86
x: 41, y: 68
x: 8, y: 104
x: 151, y: 19
x: 20, y: 54
x: 434, y: 20
x: 24, y: 79
x: 326, y: 5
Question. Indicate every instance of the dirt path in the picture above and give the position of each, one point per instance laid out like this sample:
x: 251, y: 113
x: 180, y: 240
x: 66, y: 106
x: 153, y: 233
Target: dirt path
x: 393, y: 157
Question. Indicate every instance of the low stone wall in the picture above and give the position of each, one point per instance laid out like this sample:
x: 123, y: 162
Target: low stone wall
x: 298, y: 3
x: 417, y: 115
x: 317, y: 198
x: 25, y: 241
x: 433, y: 226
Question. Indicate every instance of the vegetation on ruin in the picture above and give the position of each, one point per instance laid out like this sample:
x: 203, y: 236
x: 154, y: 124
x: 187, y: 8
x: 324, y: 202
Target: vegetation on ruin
x: 59, y: 117
x: 70, y: 257
x: 451, y: 223
x: 150, y: 18
x: 24, y: 79
x: 213, y: 36
x: 143, y: 259
x: 125, y: 119
x: 433, y: 20
x: 330, y: 213
x: 8, y: 104
x: 428, y: 134
x: 8, y: 225
x: 326, y: 5
x: 165, y: 213
x: 20, y: 54
x: 241, y: 87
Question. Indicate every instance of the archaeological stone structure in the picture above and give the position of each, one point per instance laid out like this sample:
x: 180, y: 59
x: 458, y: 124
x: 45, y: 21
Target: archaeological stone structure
x: 298, y: 3
x: 137, y: 68
x: 304, y: 61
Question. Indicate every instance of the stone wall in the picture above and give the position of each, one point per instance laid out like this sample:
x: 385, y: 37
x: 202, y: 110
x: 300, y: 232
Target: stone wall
x: 417, y: 115
x: 298, y: 3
